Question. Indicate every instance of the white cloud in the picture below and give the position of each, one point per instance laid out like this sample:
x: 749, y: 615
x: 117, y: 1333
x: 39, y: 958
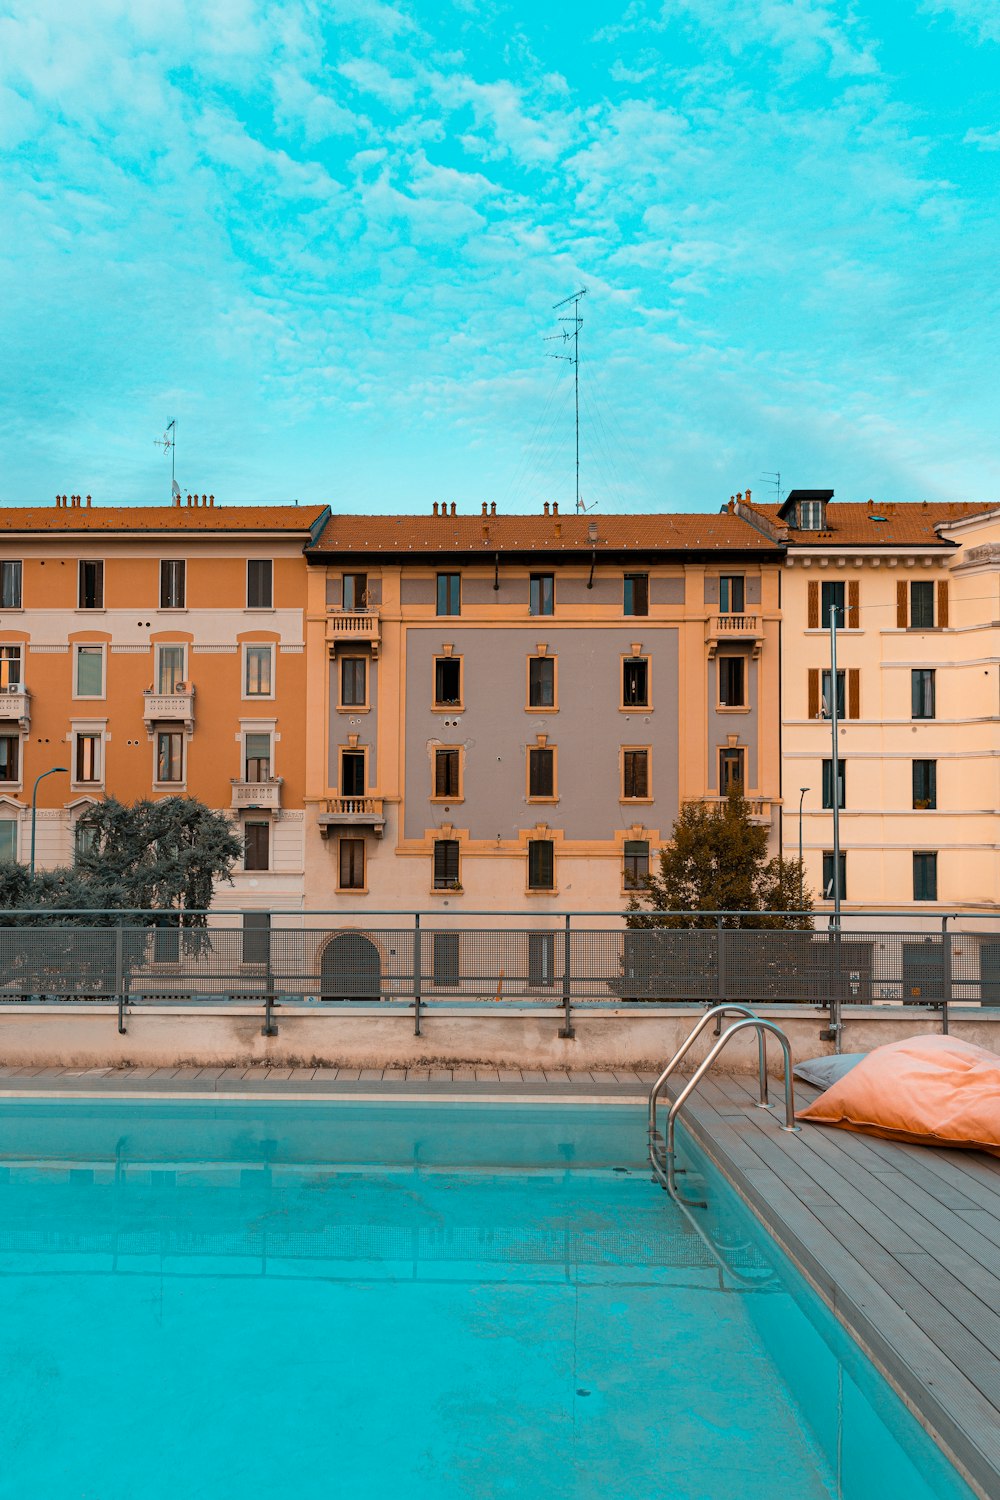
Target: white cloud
x: 986, y: 140
x: 980, y: 18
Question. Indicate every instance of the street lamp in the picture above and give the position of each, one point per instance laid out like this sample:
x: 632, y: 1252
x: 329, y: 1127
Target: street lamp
x: 802, y: 793
x: 34, y: 808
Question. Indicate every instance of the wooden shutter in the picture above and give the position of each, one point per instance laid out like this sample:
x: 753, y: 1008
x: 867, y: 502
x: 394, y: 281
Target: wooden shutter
x: 901, y: 617
x: 813, y: 708
x: 853, y: 693
x: 942, y: 603
x: 814, y: 604
x: 854, y: 605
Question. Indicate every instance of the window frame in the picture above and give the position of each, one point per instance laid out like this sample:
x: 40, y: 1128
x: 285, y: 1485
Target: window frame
x: 255, y: 563
x: 444, y: 881
x: 83, y: 563
x: 359, y: 605
x: 811, y: 516
x: 262, y: 833
x: 450, y: 750
x: 158, y: 738
x: 248, y: 735
x: 97, y: 738
x: 546, y: 708
x: 537, y: 593
x: 250, y: 647
x: 727, y: 753
x: 623, y: 760
x: 727, y: 606
x: 9, y: 857
x: 534, y: 751
x: 824, y: 677
x: 833, y: 585
x: 631, y: 850
x: 744, y: 704
x: 634, y: 579
x: 927, y: 803
x: 13, y: 738
x: 16, y: 567
x: 928, y: 677
x: 344, y: 704
x: 17, y: 648
x: 930, y: 857
x: 826, y: 776
x: 90, y: 649
x: 359, y: 752
x: 923, y: 589
x: 165, y: 589
x: 439, y: 706
x: 632, y: 659
x: 828, y: 859
x: 159, y: 648
x: 447, y: 585
x: 354, y: 847
x: 537, y: 844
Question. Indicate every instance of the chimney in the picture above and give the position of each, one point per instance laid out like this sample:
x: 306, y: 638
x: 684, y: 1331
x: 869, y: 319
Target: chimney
x: 555, y: 507
x: 592, y: 531
x: 453, y: 507
x: 748, y: 497
x: 558, y: 527
x: 175, y: 499
x: 435, y: 507
x: 545, y: 508
x: 88, y: 502
x: 484, y: 507
x: 493, y: 507
x: 739, y: 497
x: 731, y: 507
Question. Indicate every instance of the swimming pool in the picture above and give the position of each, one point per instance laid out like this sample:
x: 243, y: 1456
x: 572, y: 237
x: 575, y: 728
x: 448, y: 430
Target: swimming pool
x: 416, y: 1300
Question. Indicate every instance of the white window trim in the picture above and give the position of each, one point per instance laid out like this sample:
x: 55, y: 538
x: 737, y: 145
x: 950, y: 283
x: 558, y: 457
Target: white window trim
x: 10, y: 609
x: 247, y: 729
x: 15, y: 734
x: 98, y: 729
x: 102, y: 647
x: 248, y: 697
x: 21, y: 653
x: 159, y: 646
x: 258, y: 609
x: 180, y: 784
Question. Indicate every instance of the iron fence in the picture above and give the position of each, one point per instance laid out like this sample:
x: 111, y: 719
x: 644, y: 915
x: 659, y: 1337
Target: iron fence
x: 272, y: 959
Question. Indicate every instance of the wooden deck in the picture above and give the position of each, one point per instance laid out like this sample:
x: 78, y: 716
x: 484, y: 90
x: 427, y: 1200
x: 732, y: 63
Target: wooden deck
x: 903, y: 1242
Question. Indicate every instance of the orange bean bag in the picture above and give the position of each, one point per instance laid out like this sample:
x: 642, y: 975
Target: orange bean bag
x: 931, y: 1090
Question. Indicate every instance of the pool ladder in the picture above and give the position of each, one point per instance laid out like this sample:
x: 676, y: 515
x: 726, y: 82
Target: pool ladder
x: 662, y: 1156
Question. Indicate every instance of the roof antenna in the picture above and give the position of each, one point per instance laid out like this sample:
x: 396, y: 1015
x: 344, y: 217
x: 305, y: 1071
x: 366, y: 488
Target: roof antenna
x: 774, y: 478
x: 168, y: 442
x: 566, y: 336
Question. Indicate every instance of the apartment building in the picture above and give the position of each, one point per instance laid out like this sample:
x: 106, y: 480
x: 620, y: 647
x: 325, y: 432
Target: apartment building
x: 150, y: 651
x: 505, y: 712
x: 916, y: 590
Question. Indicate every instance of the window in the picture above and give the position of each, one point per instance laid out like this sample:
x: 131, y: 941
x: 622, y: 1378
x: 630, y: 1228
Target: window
x: 541, y: 959
x: 635, y: 774
x: 827, y: 703
x: 541, y: 682
x: 355, y: 591
x: 256, y: 937
x: 10, y: 757
x: 447, y: 681
x: 353, y: 681
x: 258, y: 681
x: 730, y: 771
x: 446, y: 864
x: 925, y: 876
x: 446, y: 959
x: 811, y: 515
x: 828, y: 783
x: 831, y: 597
x: 169, y: 669
x: 88, y: 757
x: 732, y: 594
x: 732, y: 681
x: 257, y: 757
x: 922, y: 693
x: 542, y: 594
x: 260, y: 583
x: 924, y: 784
x: 91, y: 580
x: 635, y: 866
x: 167, y: 940
x: 922, y: 606
x: 8, y: 841
x: 10, y: 666
x: 351, y: 872
x: 446, y: 773
x: 256, y: 846
x: 84, y: 838
x: 172, y: 579
x: 541, y: 865
x: 10, y: 585
x: 635, y: 682
x: 828, y: 894
x: 352, y: 773
x: 449, y: 593
x: 637, y: 593
x: 89, y: 672
x: 541, y: 772
x: 170, y: 755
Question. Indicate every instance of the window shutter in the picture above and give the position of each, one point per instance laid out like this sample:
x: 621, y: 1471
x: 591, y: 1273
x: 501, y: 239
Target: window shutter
x: 942, y: 603
x: 813, y: 709
x: 441, y: 773
x: 854, y: 605
x: 814, y: 604
x: 853, y: 693
x: 901, y: 618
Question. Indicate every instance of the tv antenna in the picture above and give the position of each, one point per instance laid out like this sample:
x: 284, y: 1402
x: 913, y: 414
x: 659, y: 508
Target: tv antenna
x: 168, y: 442
x: 572, y: 335
x: 774, y: 478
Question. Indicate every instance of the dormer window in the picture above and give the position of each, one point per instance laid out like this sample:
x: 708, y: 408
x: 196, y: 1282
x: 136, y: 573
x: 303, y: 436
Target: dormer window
x: 812, y: 515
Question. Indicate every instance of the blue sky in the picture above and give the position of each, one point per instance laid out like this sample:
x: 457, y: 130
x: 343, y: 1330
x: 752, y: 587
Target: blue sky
x: 327, y: 238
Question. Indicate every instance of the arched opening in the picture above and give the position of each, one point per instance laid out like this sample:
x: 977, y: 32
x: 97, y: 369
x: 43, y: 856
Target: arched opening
x: 350, y: 969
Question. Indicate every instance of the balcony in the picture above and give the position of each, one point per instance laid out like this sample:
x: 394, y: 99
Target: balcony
x: 257, y: 796
x: 169, y: 708
x: 359, y: 627
x: 759, y: 809
x: 736, y: 628
x: 353, y: 812
x: 15, y: 703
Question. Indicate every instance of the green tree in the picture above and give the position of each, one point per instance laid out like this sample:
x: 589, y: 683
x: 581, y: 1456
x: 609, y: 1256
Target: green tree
x: 717, y: 862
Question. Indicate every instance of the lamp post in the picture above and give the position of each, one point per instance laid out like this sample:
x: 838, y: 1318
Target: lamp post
x: 802, y: 793
x: 34, y: 807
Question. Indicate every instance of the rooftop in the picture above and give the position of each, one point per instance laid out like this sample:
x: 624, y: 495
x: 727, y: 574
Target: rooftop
x: 75, y: 513
x: 875, y: 524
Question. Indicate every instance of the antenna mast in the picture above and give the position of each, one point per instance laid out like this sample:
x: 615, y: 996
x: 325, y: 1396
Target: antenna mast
x: 168, y: 442
x: 576, y: 321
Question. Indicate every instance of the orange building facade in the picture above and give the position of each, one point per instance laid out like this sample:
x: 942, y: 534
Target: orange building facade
x: 156, y: 651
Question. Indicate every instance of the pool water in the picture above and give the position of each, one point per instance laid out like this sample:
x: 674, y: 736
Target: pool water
x: 363, y: 1300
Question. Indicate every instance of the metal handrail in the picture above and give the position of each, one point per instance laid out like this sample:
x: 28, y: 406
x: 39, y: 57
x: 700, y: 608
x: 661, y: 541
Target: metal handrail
x: 667, y: 1178
x: 716, y: 1012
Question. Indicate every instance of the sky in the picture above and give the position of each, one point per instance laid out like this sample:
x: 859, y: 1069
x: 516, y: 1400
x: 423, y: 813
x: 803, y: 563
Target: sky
x: 327, y: 239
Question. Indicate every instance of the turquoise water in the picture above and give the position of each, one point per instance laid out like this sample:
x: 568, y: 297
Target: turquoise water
x: 341, y: 1300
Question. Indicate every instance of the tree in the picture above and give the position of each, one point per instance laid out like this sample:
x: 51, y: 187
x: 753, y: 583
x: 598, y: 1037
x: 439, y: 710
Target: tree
x: 717, y: 862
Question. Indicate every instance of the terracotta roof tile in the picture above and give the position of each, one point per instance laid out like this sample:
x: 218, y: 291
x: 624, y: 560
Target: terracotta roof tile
x: 200, y: 518
x: 901, y: 524
x: 709, y: 531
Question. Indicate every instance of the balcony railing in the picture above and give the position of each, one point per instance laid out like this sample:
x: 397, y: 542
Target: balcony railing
x: 362, y: 626
x: 758, y: 808
x: 365, y: 812
x: 740, y: 627
x: 15, y: 703
x: 169, y: 708
x: 257, y: 796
